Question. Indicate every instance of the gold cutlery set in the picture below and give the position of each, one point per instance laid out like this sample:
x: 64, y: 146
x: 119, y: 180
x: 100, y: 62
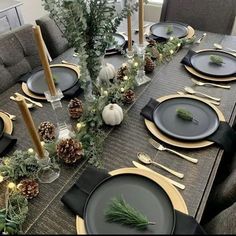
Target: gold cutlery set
x: 30, y: 104
x: 206, y: 97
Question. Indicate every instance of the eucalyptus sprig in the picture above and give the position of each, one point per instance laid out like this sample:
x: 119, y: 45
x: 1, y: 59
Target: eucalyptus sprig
x: 185, y: 115
x: 216, y: 60
x: 120, y: 211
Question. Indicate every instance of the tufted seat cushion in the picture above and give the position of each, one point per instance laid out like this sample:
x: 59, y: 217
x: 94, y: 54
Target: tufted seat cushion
x: 18, y: 55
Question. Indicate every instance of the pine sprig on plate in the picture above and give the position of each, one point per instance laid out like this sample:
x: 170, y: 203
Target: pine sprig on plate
x: 185, y: 115
x: 216, y: 60
x: 121, y: 212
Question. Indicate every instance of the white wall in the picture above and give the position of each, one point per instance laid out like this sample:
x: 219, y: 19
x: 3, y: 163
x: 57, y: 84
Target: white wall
x: 33, y: 9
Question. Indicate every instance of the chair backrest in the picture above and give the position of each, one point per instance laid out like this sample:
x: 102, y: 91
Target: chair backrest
x: 18, y: 55
x: 207, y: 15
x: 55, y: 42
x: 223, y: 223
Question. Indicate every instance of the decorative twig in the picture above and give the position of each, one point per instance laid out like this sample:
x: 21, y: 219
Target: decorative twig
x: 121, y: 212
x: 185, y: 115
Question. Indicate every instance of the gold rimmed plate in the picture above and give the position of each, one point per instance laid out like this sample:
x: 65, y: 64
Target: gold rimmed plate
x: 29, y: 93
x: 177, y: 142
x: 208, y: 77
x: 170, y: 190
x: 8, y: 125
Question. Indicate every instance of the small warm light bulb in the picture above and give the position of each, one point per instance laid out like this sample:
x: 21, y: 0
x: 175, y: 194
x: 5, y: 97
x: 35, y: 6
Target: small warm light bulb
x: 171, y: 52
x: 1, y: 178
x: 122, y: 90
x: 171, y: 38
x: 42, y: 143
x: 125, y: 77
x: 179, y: 44
x: 11, y: 185
x: 105, y: 93
x: 136, y: 64
x: 30, y: 150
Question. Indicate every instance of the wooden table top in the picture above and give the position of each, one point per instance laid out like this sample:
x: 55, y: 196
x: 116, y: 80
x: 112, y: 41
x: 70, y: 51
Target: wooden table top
x: 48, y: 215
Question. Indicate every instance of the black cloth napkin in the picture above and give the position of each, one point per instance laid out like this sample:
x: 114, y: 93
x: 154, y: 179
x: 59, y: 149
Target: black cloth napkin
x: 6, y: 143
x: 75, y: 199
x: 187, y: 59
x: 224, y: 136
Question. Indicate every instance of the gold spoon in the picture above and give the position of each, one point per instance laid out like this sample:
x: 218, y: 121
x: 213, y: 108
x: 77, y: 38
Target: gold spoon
x: 146, y: 159
x: 29, y: 105
x: 220, y: 47
x: 192, y: 91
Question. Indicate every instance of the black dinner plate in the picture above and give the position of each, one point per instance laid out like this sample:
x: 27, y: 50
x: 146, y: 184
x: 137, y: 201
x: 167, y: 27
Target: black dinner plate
x: 201, y: 62
x: 167, y: 121
x: 1, y: 127
x: 119, y: 42
x: 160, y: 30
x: 65, y: 77
x: 141, y: 193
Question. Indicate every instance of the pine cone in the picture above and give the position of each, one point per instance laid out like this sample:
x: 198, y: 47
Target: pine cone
x: 70, y: 150
x: 29, y: 188
x: 149, y: 64
x: 129, y: 96
x: 155, y: 53
x: 75, y: 108
x: 122, y: 71
x: 151, y: 42
x: 46, y: 131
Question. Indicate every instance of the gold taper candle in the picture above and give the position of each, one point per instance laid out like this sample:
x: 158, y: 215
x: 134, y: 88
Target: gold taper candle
x: 30, y: 126
x: 141, y: 20
x: 44, y: 60
x: 129, y: 32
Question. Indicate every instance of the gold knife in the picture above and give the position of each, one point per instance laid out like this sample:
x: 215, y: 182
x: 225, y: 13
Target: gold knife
x: 140, y: 166
x: 30, y: 100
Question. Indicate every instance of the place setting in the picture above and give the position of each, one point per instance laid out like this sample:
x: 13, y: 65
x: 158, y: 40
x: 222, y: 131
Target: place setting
x: 189, y: 122
x: 101, y: 204
x: 211, y: 64
x: 163, y: 31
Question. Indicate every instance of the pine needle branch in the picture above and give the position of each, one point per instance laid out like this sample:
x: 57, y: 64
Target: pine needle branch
x: 120, y: 211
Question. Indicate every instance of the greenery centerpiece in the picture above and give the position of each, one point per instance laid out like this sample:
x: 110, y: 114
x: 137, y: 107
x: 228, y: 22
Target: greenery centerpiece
x: 88, y: 25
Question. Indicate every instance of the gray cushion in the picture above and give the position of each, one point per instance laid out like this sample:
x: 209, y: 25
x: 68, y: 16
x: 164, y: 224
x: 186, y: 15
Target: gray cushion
x: 18, y: 55
x: 207, y: 15
x: 223, y: 223
x: 52, y: 36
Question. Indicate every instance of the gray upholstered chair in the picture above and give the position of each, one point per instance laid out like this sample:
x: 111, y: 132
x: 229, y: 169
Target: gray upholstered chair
x: 18, y: 55
x: 207, y: 15
x: 55, y: 42
x: 223, y: 223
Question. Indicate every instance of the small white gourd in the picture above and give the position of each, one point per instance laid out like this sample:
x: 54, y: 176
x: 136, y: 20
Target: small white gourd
x: 112, y: 114
x: 107, y: 72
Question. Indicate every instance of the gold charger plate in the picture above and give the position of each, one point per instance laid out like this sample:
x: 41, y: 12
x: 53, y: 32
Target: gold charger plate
x: 26, y: 90
x: 174, y: 195
x: 175, y: 142
x: 206, y: 77
x: 8, y: 125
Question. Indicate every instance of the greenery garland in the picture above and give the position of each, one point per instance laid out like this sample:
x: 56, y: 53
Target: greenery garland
x: 90, y: 132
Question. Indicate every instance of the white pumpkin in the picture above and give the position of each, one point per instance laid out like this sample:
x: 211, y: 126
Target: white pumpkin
x: 107, y: 72
x: 112, y: 114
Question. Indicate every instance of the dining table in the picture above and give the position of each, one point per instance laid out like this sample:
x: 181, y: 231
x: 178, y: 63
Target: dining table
x: 48, y: 215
